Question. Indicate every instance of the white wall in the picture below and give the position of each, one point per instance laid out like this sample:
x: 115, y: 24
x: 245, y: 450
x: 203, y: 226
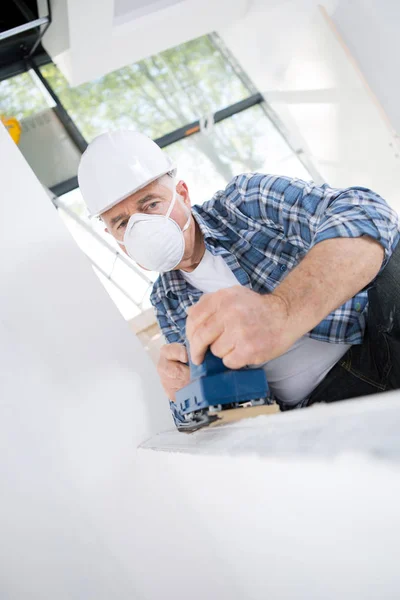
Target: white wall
x: 85, y: 515
x: 295, y: 59
x: 371, y: 31
x: 77, y: 394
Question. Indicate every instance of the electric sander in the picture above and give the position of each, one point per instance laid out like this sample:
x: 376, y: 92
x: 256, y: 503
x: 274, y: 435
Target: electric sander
x: 214, y: 390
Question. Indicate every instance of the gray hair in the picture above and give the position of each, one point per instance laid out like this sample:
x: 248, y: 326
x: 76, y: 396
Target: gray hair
x: 167, y: 180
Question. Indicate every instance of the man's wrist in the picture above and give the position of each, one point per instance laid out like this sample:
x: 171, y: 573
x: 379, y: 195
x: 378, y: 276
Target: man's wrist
x: 294, y: 324
x: 284, y: 302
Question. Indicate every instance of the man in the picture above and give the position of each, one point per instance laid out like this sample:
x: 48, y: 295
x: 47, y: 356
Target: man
x: 300, y: 278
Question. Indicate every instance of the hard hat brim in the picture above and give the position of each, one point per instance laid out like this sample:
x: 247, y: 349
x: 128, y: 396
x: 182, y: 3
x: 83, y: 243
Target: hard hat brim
x: 130, y: 193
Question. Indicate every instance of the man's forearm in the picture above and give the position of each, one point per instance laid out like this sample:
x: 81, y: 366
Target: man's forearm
x: 330, y: 274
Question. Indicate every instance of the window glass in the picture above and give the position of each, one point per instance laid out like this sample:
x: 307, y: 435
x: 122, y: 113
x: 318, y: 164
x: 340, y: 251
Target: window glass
x: 156, y: 95
x: 245, y: 142
x: 128, y: 285
x: 25, y: 98
x: 20, y: 97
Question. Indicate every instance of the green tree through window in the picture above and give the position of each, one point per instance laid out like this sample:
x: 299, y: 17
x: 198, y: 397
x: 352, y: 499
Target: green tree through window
x: 160, y: 94
x: 20, y: 97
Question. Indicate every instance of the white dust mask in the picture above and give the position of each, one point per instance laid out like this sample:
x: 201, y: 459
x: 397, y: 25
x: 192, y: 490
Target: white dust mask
x: 156, y: 242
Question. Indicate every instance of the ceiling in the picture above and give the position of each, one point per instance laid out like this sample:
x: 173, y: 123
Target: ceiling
x: 89, y: 38
x: 13, y: 49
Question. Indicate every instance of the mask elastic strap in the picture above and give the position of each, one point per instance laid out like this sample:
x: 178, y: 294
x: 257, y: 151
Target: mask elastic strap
x: 188, y: 221
x: 169, y: 211
x: 174, y: 195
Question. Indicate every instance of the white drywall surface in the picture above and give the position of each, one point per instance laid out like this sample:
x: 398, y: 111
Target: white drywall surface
x: 77, y: 394
x: 85, y: 515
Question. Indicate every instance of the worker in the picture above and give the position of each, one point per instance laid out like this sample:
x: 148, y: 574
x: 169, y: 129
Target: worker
x: 303, y: 279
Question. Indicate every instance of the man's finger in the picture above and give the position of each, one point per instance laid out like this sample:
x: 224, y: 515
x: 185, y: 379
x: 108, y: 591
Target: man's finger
x: 176, y: 373
x: 203, y: 336
x: 199, y: 313
x: 173, y: 370
x: 223, y: 345
x: 177, y: 352
x: 234, y: 359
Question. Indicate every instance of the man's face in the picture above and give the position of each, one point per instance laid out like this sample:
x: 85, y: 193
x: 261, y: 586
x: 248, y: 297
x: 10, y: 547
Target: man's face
x: 154, y: 199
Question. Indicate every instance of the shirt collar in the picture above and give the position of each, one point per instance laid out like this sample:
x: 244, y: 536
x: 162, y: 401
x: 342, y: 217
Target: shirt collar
x: 209, y: 226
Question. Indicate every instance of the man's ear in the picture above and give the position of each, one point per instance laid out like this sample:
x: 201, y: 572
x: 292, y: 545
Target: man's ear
x: 183, y: 191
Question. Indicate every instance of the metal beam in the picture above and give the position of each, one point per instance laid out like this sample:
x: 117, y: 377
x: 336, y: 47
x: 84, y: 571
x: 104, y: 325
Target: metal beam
x: 220, y: 115
x: 65, y: 186
x: 41, y: 33
x: 25, y: 10
x: 18, y: 66
x: 25, y: 27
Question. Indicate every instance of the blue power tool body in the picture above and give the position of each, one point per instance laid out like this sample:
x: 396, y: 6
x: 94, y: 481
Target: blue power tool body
x: 214, y: 386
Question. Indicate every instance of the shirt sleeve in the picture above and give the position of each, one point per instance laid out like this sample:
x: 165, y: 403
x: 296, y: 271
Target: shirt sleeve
x: 169, y: 330
x: 306, y: 214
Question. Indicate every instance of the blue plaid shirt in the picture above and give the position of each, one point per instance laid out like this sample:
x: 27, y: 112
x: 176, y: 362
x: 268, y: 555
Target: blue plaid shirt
x: 262, y: 226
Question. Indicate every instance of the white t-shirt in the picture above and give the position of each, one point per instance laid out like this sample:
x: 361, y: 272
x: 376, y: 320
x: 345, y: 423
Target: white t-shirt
x: 294, y: 375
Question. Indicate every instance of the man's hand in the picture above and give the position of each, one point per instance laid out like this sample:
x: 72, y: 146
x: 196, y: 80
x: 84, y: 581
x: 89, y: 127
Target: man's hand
x: 173, y: 371
x: 240, y: 326
x: 243, y: 327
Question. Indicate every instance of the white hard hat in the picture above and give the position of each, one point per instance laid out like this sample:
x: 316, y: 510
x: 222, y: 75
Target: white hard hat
x: 118, y: 164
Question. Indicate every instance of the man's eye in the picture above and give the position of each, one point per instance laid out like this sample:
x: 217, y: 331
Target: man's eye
x: 122, y: 224
x: 152, y: 205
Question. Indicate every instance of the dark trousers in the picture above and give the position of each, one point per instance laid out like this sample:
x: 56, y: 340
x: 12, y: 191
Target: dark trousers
x: 374, y: 365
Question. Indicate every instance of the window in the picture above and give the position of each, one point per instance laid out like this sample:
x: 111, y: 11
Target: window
x: 20, y: 97
x: 25, y: 98
x: 156, y: 95
x: 246, y: 142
